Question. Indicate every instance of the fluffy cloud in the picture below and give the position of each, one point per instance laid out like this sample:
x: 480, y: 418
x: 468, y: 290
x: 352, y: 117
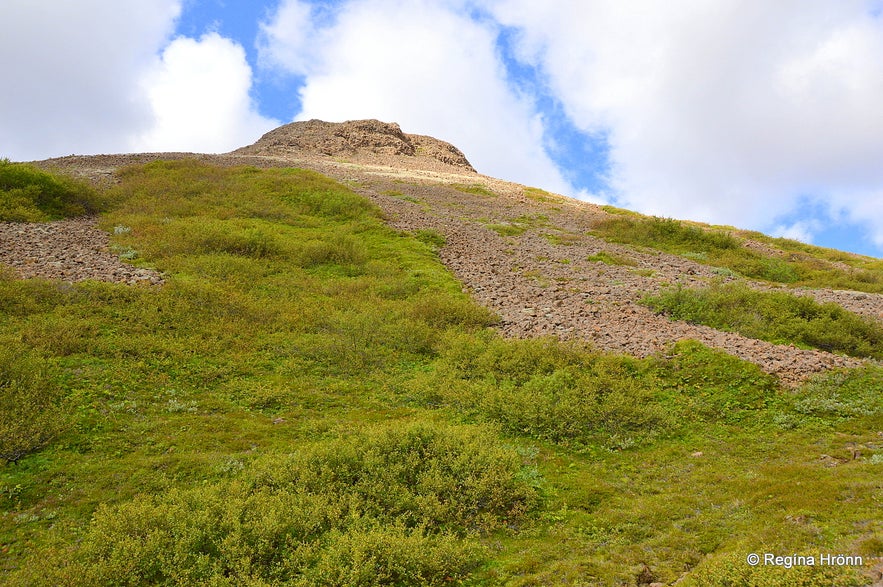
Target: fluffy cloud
x: 101, y: 76
x: 199, y: 95
x: 71, y: 73
x: 426, y: 65
x: 724, y: 111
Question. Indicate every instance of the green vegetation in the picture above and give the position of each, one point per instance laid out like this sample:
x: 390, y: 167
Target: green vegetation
x: 539, y: 195
x: 29, y: 194
x: 518, y: 226
x: 384, y: 507
x: 473, y: 188
x: 31, y: 413
x: 433, y: 238
x: 546, y: 390
x: 611, y: 259
x: 775, y: 316
x: 723, y: 249
x: 565, y: 239
x: 310, y: 399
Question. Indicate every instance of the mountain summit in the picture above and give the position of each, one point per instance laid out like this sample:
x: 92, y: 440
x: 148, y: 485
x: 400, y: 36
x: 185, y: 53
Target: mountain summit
x: 368, y: 141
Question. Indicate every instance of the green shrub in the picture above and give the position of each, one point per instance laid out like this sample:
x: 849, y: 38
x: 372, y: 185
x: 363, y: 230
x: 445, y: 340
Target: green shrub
x: 337, y: 249
x: 473, y: 188
x: 549, y: 390
x: 444, y: 311
x: 433, y: 238
x: 713, y: 386
x: 664, y: 233
x: 842, y: 394
x: 774, y: 316
x: 31, y: 410
x: 732, y: 570
x: 810, y: 266
x: 611, y: 259
x: 388, y: 507
x: 29, y: 194
x: 508, y: 229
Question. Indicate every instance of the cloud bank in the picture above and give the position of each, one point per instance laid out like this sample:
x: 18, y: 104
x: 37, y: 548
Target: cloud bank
x: 99, y: 76
x: 724, y: 111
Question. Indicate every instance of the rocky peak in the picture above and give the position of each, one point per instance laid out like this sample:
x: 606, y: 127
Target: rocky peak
x: 360, y: 140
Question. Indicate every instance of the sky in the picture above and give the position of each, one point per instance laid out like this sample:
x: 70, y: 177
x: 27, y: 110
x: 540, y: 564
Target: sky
x: 761, y: 115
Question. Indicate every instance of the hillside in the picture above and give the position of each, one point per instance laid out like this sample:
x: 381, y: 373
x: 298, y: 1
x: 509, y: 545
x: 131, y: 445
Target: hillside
x: 383, y: 367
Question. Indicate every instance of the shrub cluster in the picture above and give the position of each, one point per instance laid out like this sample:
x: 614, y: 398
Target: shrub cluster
x: 774, y: 316
x: 30, y: 404
x: 724, y: 250
x: 665, y: 233
x: 29, y: 194
x: 387, y: 507
x: 731, y: 569
x: 548, y: 390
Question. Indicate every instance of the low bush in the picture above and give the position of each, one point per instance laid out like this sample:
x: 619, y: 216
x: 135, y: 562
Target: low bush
x: 31, y: 410
x: 713, y: 386
x: 732, y: 570
x: 665, y: 234
x: 611, y: 259
x: 29, y: 194
x: 388, y: 507
x: 775, y: 316
x: 804, y: 265
x: 548, y: 390
x: 842, y: 394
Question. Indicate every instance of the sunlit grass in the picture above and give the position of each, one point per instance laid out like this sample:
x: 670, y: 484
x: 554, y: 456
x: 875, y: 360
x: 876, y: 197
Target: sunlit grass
x: 797, y: 266
x: 311, y: 394
x: 775, y: 316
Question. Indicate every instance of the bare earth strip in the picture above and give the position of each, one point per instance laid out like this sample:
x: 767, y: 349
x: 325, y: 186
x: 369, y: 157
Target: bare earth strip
x: 539, y: 282
x: 68, y: 250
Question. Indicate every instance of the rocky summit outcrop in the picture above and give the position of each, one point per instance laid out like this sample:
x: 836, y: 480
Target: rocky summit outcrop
x: 370, y: 141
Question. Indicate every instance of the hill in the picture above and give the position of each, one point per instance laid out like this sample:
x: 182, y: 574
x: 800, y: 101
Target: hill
x: 341, y: 356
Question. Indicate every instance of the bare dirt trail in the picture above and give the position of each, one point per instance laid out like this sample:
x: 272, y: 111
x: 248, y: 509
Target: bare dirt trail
x: 538, y: 280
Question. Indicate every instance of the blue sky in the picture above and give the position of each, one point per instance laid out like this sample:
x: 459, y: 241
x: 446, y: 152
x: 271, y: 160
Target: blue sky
x: 760, y: 115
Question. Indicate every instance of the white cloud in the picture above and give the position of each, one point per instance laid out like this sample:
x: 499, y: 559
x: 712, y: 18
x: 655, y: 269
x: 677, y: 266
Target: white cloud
x: 199, y: 94
x: 426, y: 65
x: 802, y: 230
x: 724, y: 111
x: 98, y: 76
x: 71, y: 71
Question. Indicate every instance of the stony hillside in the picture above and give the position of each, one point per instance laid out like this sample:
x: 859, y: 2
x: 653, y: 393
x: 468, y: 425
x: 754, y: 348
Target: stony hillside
x: 525, y: 254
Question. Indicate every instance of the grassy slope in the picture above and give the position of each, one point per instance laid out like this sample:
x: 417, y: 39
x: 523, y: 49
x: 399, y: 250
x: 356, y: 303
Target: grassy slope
x: 794, y: 263
x: 292, y: 319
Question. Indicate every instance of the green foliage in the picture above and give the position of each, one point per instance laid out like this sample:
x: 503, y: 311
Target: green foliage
x: 382, y: 508
x: 29, y: 194
x: 774, y: 316
x: 842, y: 394
x: 548, y: 390
x: 796, y: 265
x: 433, y: 238
x: 732, y: 570
x: 280, y: 412
x: 31, y: 414
x: 473, y: 188
x: 539, y: 195
x: 611, y: 259
x: 508, y: 229
x: 665, y: 234
x: 712, y: 386
x: 518, y: 226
